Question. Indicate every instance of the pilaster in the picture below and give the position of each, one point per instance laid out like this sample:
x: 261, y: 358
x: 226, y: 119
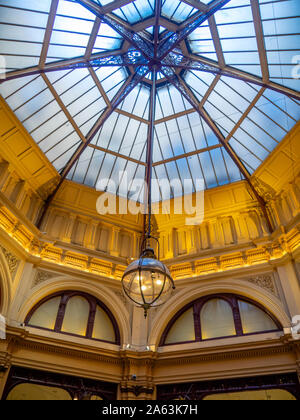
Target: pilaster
x: 5, y: 173
x: 67, y: 237
x: 91, y: 234
x: 290, y: 285
x: 115, y: 241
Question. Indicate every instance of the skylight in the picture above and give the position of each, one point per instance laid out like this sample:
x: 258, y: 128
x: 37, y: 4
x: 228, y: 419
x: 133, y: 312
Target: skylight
x: 226, y: 93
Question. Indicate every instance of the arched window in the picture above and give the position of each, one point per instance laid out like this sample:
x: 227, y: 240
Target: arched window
x: 254, y: 319
x: 77, y: 314
x: 45, y: 316
x: 217, y: 319
x: 183, y: 329
x: 218, y: 316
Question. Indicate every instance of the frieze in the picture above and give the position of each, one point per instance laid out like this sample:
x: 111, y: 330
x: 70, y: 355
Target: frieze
x: 12, y: 261
x: 232, y: 355
x: 42, y: 277
x: 265, y: 282
x: 199, y: 267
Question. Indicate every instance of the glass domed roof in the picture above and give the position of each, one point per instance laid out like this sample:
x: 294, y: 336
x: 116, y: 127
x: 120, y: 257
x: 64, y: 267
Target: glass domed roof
x: 79, y: 78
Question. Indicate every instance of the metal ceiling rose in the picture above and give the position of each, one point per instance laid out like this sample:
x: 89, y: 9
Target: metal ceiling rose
x: 148, y: 282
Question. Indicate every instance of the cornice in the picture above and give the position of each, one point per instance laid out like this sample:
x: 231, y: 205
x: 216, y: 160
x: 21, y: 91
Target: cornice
x: 38, y: 251
x: 18, y: 339
x: 232, y: 352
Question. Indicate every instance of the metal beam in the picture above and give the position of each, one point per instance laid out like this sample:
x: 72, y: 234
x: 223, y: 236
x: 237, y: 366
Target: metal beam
x: 131, y: 83
x: 195, y: 63
x: 158, y: 8
x: 119, y: 155
x: 92, y: 40
x: 132, y: 116
x: 260, y: 39
x: 57, y: 65
x: 245, y: 115
x: 108, y: 8
x: 187, y: 155
x: 135, y: 39
x: 99, y: 86
x: 196, y: 4
x: 48, y: 32
x: 180, y: 85
x: 216, y: 40
x: 209, y: 90
x: 185, y: 30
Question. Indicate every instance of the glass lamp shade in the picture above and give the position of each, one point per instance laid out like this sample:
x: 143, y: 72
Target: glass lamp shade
x: 148, y: 282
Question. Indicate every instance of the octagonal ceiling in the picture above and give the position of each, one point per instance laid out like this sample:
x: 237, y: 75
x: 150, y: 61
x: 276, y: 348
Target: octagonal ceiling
x: 80, y: 73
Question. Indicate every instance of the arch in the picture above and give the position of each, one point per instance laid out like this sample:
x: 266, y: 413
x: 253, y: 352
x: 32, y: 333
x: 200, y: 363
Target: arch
x: 5, y: 285
x: 73, y: 313
x: 221, y: 324
x: 237, y: 287
x: 100, y: 292
x: 35, y: 392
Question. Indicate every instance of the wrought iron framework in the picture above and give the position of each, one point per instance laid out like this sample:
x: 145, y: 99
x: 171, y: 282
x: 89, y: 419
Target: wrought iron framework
x: 154, y: 59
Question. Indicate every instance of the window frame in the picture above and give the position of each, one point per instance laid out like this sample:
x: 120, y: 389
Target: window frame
x: 198, y: 305
x: 65, y: 297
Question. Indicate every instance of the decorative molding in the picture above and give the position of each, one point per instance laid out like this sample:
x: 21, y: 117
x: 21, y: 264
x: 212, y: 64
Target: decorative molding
x: 12, y: 261
x: 42, y: 276
x: 137, y: 390
x: 122, y: 297
x: 265, y: 281
x: 266, y: 191
x: 68, y: 351
x: 228, y: 355
x: 268, y: 252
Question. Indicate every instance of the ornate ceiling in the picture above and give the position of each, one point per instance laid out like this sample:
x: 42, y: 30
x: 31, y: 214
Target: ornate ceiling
x: 80, y: 76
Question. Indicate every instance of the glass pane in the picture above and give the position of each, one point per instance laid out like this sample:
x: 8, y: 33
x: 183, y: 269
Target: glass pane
x: 254, y: 319
x: 76, y: 316
x: 103, y: 327
x: 183, y: 330
x: 217, y: 320
x: 45, y: 316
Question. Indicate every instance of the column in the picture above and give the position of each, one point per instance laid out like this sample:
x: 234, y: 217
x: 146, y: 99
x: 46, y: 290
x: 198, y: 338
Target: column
x: 263, y: 222
x: 138, y: 361
x: 67, y: 237
x: 192, y: 245
x: 182, y: 241
x: 140, y: 327
x: 4, y: 373
x: 5, y: 173
x: 36, y: 204
x: 226, y: 224
x: 276, y: 211
x: 215, y: 234
x: 295, y: 194
x: 10, y: 184
x: 115, y: 242
x: 240, y: 228
x: 290, y: 285
x: 174, y: 242
x: 204, y: 236
x: 90, y: 237
x: 46, y: 226
x: 136, y: 238
x: 21, y: 194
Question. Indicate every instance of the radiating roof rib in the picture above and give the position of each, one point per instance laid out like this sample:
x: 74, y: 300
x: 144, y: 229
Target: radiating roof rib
x: 71, y: 66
